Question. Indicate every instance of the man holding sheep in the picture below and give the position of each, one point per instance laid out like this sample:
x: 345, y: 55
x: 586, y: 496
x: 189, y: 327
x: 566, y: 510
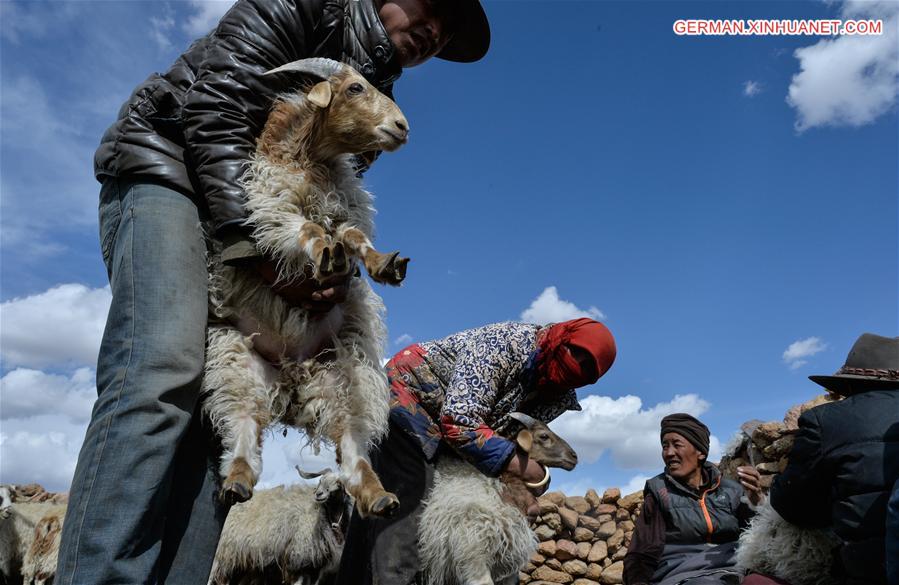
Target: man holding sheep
x: 143, y: 505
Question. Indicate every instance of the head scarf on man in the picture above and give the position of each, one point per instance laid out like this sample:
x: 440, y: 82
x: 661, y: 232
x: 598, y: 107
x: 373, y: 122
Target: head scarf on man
x: 689, y: 428
x: 557, y: 369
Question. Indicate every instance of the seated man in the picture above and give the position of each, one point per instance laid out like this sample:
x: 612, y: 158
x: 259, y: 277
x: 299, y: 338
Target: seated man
x: 691, y: 518
x: 845, y: 461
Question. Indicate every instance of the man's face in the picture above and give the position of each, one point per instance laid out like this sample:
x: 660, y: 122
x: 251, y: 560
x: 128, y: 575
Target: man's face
x: 681, y: 458
x: 417, y: 28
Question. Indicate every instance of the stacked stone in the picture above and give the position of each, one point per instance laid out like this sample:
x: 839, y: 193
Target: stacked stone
x: 766, y: 445
x: 583, y: 539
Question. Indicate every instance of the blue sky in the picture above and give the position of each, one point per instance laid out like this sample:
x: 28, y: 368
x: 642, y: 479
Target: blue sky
x: 727, y: 204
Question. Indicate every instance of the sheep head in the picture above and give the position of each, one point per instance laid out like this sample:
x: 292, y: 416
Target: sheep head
x: 329, y: 484
x: 542, y: 445
x: 339, y: 113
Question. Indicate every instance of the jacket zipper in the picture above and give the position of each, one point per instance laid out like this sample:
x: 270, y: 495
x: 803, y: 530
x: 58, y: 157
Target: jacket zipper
x: 705, y: 510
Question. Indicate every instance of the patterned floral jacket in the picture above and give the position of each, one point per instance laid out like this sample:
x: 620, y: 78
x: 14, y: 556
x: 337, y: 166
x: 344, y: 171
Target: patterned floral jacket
x: 461, y: 389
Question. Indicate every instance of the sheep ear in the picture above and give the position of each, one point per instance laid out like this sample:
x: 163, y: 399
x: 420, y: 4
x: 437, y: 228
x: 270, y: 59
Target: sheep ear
x: 525, y: 439
x: 320, y: 94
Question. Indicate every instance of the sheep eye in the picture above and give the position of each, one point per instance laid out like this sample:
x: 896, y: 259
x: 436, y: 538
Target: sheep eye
x: 544, y: 436
x: 355, y: 89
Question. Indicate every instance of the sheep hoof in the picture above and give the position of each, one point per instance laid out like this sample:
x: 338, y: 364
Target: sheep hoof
x: 333, y: 261
x: 389, y: 269
x: 385, y: 506
x: 339, y: 264
x: 235, y: 492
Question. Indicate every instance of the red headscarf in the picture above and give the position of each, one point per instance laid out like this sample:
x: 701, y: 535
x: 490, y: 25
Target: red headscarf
x: 557, y: 368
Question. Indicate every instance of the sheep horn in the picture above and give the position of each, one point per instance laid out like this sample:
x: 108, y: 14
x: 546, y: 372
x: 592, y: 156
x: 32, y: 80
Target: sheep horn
x: 524, y: 419
x: 314, y: 474
x: 316, y: 67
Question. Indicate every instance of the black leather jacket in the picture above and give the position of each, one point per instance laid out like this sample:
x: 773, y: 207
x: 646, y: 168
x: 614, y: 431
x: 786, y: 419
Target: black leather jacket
x: 193, y: 128
x: 844, y: 462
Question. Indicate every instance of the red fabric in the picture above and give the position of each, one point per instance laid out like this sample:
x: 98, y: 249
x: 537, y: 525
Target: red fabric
x: 557, y: 368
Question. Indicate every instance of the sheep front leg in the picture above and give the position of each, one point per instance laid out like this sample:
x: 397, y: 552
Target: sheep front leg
x: 328, y: 258
x: 237, y: 385
x: 387, y: 268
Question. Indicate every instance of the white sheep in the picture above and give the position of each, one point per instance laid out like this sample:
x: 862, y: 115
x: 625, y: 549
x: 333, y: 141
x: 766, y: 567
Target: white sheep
x: 773, y: 546
x: 29, y: 541
x: 285, y: 534
x: 307, y: 208
x: 473, y: 530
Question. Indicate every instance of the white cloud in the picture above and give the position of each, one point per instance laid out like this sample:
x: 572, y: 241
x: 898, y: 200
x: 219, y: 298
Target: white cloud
x: 61, y: 326
x: 41, y: 449
x: 849, y: 80
x: 794, y: 356
x: 623, y: 428
x: 636, y: 484
x: 752, y: 88
x: 280, y: 454
x: 159, y: 30
x: 208, y: 14
x: 403, y: 339
x: 27, y: 393
x: 549, y: 308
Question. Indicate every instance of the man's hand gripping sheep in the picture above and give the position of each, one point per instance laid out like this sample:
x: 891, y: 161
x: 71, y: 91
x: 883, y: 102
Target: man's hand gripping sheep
x: 309, y: 213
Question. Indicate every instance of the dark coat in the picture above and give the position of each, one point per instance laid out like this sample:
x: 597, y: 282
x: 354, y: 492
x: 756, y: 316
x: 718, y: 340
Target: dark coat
x: 844, y: 463
x: 194, y: 127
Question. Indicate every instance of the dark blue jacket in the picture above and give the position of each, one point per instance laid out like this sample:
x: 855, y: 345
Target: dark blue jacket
x: 844, y: 463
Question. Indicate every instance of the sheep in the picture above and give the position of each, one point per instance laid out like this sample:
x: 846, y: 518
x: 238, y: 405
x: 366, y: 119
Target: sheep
x: 773, y: 546
x: 29, y: 541
x: 39, y: 566
x: 307, y: 208
x: 289, y: 534
x: 473, y: 530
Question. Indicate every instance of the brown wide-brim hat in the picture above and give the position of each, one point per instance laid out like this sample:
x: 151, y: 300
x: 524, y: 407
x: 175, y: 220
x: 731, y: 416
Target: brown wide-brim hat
x: 872, y: 363
x: 471, y: 38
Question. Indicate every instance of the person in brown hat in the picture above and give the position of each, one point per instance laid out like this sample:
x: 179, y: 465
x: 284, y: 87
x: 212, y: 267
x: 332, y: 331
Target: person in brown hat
x: 143, y: 504
x: 845, y: 461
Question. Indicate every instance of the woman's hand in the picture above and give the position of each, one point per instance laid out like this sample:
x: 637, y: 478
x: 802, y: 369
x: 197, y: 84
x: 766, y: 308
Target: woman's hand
x: 750, y: 479
x: 310, y: 294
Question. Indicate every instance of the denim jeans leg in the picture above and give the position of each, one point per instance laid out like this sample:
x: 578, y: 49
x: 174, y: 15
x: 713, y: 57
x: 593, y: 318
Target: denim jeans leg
x: 148, y: 380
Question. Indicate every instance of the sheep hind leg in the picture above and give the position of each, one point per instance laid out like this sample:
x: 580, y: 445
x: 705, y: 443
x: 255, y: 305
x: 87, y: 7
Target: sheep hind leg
x: 361, y: 480
x: 237, y: 383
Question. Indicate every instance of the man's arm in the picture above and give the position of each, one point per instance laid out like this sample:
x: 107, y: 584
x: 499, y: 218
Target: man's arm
x: 647, y: 543
x: 801, y: 494
x: 227, y: 105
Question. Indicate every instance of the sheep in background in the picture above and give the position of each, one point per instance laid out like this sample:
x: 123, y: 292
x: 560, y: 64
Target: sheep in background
x: 5, y: 501
x: 473, y: 530
x: 289, y: 534
x: 39, y: 565
x: 773, y: 546
x: 28, y: 535
x: 307, y: 208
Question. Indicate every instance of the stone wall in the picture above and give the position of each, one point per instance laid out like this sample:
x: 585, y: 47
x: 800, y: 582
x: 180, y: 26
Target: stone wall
x: 583, y: 539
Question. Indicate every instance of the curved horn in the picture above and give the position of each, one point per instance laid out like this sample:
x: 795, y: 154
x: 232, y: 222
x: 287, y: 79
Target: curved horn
x: 312, y: 475
x: 316, y: 67
x: 524, y: 419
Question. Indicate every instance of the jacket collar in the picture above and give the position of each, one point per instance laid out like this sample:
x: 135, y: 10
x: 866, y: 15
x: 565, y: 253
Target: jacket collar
x: 711, y: 476
x: 366, y: 45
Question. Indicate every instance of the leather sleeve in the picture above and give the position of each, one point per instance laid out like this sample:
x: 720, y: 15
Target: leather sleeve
x: 801, y: 494
x: 226, y: 106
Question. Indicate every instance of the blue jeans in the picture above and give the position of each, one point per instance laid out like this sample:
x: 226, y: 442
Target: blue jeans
x: 143, y: 505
